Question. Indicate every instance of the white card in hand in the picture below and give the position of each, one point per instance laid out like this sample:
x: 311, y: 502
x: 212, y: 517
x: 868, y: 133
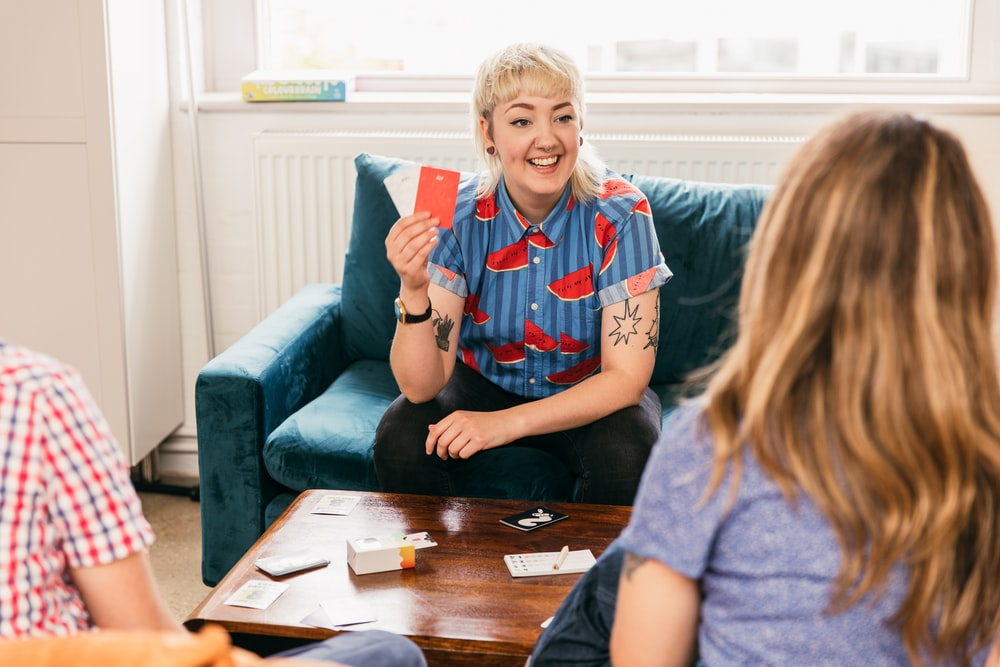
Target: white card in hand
x: 421, y: 188
x: 402, y: 186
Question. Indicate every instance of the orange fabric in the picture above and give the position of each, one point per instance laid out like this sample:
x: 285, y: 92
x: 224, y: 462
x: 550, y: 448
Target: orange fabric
x: 211, y: 647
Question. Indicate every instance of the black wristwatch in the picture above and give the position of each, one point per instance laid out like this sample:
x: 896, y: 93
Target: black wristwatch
x: 406, y: 318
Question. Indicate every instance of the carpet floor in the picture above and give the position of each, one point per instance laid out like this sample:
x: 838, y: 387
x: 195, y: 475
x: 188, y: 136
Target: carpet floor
x: 176, y: 554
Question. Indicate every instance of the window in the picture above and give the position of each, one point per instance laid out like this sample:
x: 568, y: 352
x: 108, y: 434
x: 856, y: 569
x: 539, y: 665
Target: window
x: 773, y: 45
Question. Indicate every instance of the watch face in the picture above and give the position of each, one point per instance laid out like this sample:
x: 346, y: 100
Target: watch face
x: 405, y: 317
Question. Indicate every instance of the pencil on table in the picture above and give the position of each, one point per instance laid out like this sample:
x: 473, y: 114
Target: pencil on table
x: 562, y: 558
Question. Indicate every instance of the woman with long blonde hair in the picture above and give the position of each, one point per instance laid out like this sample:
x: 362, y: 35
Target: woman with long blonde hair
x: 832, y: 496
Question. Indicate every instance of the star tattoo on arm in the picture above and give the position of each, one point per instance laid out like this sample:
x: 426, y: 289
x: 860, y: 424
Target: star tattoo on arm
x: 627, y: 324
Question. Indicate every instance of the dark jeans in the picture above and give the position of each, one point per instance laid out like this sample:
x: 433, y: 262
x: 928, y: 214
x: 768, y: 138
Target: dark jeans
x: 580, y: 632
x: 607, y: 455
x: 364, y: 648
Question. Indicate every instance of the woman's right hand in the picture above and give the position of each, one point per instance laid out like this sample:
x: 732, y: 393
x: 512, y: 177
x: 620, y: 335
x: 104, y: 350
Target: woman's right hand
x: 408, y: 246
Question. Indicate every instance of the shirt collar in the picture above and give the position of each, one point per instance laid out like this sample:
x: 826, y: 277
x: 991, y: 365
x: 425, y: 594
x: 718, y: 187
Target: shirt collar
x: 552, y: 226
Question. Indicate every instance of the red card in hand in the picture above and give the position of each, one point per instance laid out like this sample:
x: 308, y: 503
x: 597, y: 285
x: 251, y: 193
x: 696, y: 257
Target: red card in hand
x: 424, y: 188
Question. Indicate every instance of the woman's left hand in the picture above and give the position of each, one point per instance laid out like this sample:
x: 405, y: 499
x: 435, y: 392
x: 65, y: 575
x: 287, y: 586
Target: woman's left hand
x: 463, y: 433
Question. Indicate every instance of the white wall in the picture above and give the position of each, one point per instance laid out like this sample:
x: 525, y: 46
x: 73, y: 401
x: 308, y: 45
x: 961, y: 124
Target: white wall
x: 226, y: 126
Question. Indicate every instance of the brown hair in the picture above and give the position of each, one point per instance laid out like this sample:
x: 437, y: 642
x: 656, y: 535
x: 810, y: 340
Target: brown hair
x: 864, y: 374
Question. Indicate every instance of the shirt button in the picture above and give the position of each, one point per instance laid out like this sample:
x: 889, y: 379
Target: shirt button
x: 534, y: 306
x: 536, y: 260
x: 531, y: 381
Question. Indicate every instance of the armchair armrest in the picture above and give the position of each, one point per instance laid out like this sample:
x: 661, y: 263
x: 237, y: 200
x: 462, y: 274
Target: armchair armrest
x: 242, y: 395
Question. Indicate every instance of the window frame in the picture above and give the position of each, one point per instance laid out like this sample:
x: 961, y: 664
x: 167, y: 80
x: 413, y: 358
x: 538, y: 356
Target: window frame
x: 230, y: 31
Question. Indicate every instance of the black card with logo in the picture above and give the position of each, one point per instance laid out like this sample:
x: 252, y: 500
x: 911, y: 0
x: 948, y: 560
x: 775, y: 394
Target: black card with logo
x: 533, y: 518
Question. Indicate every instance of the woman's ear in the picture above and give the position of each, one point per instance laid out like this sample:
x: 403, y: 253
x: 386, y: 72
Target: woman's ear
x: 486, y: 129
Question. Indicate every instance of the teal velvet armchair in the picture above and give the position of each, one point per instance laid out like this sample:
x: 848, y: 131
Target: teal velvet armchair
x: 293, y: 404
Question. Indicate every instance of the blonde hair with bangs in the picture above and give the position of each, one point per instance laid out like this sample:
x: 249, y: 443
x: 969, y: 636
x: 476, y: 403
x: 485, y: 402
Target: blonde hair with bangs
x: 864, y: 374
x: 533, y: 69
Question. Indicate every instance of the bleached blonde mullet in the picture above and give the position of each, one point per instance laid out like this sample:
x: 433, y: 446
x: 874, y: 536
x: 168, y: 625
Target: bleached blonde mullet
x: 532, y: 69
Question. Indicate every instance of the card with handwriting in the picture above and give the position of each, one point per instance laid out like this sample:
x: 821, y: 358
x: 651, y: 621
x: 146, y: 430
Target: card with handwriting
x: 335, y: 504
x: 541, y: 563
x: 423, y: 188
x: 256, y: 594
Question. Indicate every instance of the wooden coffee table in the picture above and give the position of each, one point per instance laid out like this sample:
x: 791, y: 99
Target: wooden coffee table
x: 459, y: 604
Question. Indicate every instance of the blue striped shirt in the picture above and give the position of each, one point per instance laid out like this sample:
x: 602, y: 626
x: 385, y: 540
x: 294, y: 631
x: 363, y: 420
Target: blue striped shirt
x: 534, y: 293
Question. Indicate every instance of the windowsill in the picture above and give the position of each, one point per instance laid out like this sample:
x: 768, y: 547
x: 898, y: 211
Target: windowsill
x: 377, y: 102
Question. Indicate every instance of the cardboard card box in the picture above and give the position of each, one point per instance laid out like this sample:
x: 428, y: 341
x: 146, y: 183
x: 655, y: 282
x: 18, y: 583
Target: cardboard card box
x: 366, y: 555
x: 296, y: 86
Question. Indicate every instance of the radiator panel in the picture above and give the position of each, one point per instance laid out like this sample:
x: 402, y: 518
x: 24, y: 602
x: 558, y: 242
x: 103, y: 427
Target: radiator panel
x: 304, y: 186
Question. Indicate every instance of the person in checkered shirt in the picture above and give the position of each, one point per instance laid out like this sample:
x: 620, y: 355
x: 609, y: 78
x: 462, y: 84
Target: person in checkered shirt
x: 73, y: 540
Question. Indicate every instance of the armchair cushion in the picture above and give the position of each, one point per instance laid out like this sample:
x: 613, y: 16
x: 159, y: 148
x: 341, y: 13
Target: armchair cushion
x: 328, y: 443
x: 704, y: 230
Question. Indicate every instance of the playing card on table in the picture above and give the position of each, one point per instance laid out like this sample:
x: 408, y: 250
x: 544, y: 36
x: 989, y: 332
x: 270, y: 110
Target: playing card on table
x: 533, y: 518
x: 257, y: 594
x: 420, y: 540
x: 348, y: 611
x: 335, y: 614
x: 334, y: 504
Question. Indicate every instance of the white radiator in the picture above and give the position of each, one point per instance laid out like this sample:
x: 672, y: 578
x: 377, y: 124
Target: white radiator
x: 304, y: 185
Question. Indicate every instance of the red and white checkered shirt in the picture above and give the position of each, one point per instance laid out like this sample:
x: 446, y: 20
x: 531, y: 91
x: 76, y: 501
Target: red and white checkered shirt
x: 66, y: 500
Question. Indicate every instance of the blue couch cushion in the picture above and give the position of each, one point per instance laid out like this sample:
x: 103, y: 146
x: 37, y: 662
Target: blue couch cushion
x: 704, y: 230
x: 328, y: 443
x: 370, y: 284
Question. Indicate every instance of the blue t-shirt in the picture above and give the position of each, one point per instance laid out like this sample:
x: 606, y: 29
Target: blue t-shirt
x: 534, y: 293
x: 766, y: 569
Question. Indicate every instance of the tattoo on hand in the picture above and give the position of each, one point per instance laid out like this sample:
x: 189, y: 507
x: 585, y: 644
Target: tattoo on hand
x: 631, y: 563
x: 442, y: 330
x: 627, y: 323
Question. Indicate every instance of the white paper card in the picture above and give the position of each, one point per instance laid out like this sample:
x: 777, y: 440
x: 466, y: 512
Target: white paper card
x: 540, y: 564
x: 421, y: 540
x: 347, y: 611
x: 257, y: 594
x: 402, y: 186
x: 334, y: 504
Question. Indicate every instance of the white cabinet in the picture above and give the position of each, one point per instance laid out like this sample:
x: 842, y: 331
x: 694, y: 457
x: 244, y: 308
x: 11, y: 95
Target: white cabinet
x: 88, y: 252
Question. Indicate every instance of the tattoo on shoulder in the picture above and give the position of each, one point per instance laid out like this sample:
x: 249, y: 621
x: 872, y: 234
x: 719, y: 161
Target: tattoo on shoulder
x: 442, y: 330
x: 627, y: 323
x: 631, y: 563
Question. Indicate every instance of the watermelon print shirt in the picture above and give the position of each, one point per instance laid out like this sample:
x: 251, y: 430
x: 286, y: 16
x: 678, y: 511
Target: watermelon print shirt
x: 534, y: 293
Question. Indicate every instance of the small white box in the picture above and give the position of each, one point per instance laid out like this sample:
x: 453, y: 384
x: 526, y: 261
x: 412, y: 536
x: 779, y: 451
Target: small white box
x: 366, y: 555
